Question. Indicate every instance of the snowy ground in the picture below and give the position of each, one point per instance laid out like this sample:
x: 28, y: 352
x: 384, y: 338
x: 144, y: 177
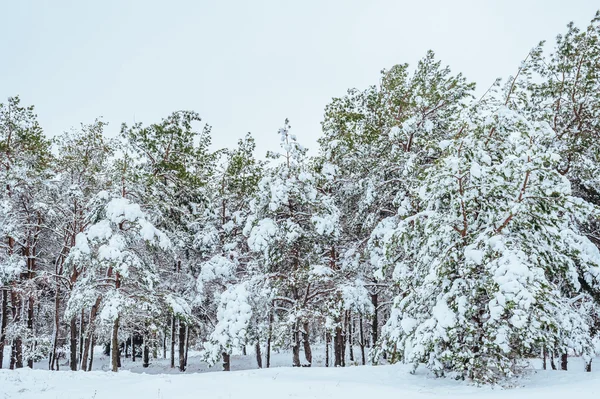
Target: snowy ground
x: 282, y: 382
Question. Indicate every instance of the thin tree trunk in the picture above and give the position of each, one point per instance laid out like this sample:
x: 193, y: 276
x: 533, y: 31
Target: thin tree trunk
x: 337, y: 347
x: 327, y: 343
x: 115, y: 346
x: 588, y: 366
x: 350, y: 340
x: 564, y: 361
x: 544, y: 355
x: 268, y: 357
x: 187, y: 343
x: 296, y: 346
x: 92, y: 344
x: 146, y: 352
x: 73, y: 341
x: 133, y: 347
x: 226, y: 361
x: 30, y: 309
x: 258, y: 354
x: 181, y: 346
x: 165, y: 343
x: 374, y: 332
x: 4, y: 323
x: 16, y: 360
x: 173, y: 342
x: 53, y: 359
x: 306, y: 342
x: 552, y: 364
x: 88, y: 342
x: 362, y: 339
x: 81, y: 333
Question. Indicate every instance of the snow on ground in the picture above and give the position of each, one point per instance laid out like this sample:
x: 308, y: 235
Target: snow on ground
x: 282, y: 382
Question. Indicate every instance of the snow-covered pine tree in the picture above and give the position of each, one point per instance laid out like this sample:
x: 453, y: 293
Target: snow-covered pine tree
x: 374, y: 143
x: 81, y: 169
x: 25, y: 156
x: 491, y: 264
x: 291, y: 225
x: 119, y: 273
x: 224, y: 288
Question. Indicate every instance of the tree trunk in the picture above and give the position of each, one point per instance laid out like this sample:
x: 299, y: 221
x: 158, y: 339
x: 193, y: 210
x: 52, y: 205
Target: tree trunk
x: 544, y: 355
x: 92, y: 344
x: 258, y: 354
x: 88, y: 342
x: 173, y: 342
x: 350, y: 340
x: 226, y: 361
x: 552, y: 364
x: 337, y: 347
x: 133, y: 347
x: 181, y: 346
x: 4, y: 316
x: 81, y: 333
x: 30, y: 328
x: 16, y: 360
x: 268, y: 357
x: 53, y: 359
x: 165, y: 343
x: 362, y: 340
x: 563, y: 361
x: 306, y: 343
x: 588, y: 366
x: 187, y: 343
x: 327, y: 343
x: 115, y: 346
x: 296, y: 346
x: 374, y: 332
x: 146, y: 352
x: 73, y: 342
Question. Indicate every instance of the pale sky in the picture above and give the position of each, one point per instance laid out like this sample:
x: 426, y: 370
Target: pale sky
x: 247, y: 65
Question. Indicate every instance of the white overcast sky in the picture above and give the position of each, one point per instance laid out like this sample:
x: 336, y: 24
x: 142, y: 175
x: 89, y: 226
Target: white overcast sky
x: 247, y: 65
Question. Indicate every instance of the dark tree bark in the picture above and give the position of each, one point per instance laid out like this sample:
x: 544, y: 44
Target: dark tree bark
x: 306, y: 343
x: 588, y: 366
x: 165, y: 343
x: 544, y: 355
x: 16, y: 360
x: 563, y: 361
x: 128, y: 343
x: 552, y: 364
x: 374, y: 332
x: 30, y: 309
x: 88, y: 342
x: 81, y: 334
x: 226, y: 361
x: 337, y: 347
x: 92, y: 344
x: 146, y: 352
x: 73, y: 342
x: 258, y: 354
x: 181, y: 346
x: 362, y: 339
x: 4, y: 316
x: 115, y: 358
x: 296, y: 345
x: 327, y: 343
x: 173, y: 342
x: 187, y: 343
x: 132, y: 348
x: 268, y: 356
x: 350, y: 340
